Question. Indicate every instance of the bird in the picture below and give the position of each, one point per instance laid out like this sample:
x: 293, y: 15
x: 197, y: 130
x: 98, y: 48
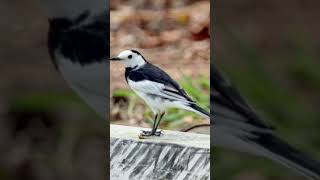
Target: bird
x: 156, y: 88
x: 238, y: 127
x: 78, y: 45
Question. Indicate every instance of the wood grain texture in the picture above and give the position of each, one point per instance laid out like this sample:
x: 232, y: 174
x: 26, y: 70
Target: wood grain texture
x: 152, y: 159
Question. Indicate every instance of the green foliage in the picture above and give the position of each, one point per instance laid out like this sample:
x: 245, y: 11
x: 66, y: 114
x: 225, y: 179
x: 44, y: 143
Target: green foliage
x: 39, y: 102
x: 123, y: 93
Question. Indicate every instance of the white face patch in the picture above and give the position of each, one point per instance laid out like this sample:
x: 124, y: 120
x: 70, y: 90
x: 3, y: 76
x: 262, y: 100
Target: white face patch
x: 131, y: 59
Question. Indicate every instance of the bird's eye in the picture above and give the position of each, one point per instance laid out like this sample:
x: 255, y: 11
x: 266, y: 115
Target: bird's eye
x: 130, y: 56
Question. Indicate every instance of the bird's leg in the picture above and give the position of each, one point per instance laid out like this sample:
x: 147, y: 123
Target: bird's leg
x: 154, y: 122
x: 158, y: 133
x: 150, y: 133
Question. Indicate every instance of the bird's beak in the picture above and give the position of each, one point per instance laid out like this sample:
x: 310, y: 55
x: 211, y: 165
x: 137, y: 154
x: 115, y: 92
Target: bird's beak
x: 115, y: 59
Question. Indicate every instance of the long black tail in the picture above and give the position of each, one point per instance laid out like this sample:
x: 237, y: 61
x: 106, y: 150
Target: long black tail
x: 278, y: 150
x: 199, y: 110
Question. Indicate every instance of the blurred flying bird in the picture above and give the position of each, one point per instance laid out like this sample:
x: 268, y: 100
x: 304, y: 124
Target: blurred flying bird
x: 78, y: 43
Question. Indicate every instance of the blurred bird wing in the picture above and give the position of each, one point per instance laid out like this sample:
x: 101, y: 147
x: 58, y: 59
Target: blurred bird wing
x: 227, y: 101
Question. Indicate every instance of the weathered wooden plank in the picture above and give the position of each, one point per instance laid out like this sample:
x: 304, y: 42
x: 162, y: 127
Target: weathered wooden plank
x: 176, y: 155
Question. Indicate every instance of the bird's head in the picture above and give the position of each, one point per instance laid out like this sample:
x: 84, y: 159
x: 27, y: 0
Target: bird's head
x: 130, y: 58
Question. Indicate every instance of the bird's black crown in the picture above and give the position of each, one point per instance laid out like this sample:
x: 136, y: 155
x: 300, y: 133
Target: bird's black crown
x: 137, y: 52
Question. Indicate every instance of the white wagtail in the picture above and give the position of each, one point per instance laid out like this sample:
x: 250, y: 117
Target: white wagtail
x: 155, y: 87
x: 238, y: 127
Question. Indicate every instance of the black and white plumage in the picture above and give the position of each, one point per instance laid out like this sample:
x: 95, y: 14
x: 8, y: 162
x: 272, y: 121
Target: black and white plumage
x: 78, y: 45
x: 238, y: 127
x: 155, y: 87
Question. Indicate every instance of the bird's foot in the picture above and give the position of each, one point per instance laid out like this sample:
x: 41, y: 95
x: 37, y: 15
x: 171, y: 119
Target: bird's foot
x: 150, y: 133
x: 158, y: 133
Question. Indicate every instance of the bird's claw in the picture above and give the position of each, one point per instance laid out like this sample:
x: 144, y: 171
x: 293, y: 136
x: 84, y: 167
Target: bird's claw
x: 151, y: 133
x: 158, y: 133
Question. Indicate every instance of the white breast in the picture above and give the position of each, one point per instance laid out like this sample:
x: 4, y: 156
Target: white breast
x: 147, y: 91
x: 89, y: 81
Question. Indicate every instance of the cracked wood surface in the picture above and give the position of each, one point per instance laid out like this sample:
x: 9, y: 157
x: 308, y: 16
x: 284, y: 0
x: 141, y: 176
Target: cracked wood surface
x: 176, y: 155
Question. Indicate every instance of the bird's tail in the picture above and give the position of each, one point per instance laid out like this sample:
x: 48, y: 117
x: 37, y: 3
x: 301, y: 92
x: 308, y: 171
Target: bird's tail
x: 199, y: 110
x: 280, y: 151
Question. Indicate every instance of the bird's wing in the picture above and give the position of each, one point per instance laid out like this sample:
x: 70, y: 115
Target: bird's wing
x: 156, y: 74
x: 227, y: 101
x: 157, y: 89
x: 156, y: 85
